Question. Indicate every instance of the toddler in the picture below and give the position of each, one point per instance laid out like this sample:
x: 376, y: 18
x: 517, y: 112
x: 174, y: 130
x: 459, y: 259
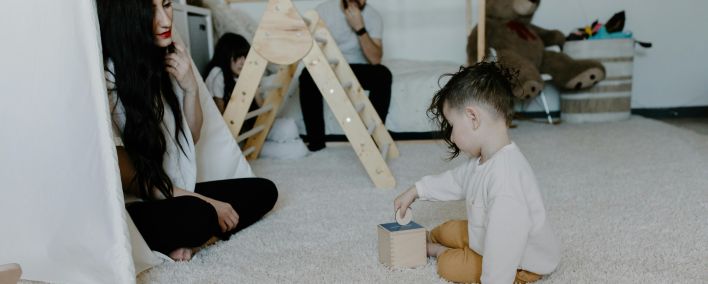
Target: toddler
x: 506, y: 237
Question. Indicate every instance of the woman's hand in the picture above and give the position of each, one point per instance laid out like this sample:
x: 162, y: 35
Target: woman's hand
x: 405, y: 199
x: 179, y: 65
x: 228, y: 218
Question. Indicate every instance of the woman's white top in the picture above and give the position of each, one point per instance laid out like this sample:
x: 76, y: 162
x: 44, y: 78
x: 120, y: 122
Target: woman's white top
x: 507, y: 221
x: 180, y: 166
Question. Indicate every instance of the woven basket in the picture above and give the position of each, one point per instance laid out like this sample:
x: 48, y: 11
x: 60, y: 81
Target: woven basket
x: 610, y: 99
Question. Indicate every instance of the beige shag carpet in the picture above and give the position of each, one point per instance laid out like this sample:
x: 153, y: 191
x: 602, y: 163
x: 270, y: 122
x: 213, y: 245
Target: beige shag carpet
x: 629, y: 201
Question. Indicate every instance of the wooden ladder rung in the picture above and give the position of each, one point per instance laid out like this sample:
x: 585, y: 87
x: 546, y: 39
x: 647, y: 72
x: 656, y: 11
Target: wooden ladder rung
x: 320, y: 39
x: 347, y: 85
x: 249, y: 151
x: 384, y: 150
x: 249, y: 133
x: 371, y: 127
x: 359, y: 107
x: 269, y: 87
x: 259, y: 111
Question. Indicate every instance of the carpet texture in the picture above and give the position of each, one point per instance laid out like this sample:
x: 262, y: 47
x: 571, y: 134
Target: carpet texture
x: 628, y: 200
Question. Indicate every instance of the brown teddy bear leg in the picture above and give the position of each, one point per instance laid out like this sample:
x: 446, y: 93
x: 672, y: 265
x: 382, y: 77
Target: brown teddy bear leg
x: 529, y: 80
x: 572, y: 74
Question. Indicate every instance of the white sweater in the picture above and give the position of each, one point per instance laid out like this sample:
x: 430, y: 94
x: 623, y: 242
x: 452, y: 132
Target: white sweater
x: 506, y: 219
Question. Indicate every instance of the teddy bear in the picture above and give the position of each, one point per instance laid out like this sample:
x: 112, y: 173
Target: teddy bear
x: 521, y: 46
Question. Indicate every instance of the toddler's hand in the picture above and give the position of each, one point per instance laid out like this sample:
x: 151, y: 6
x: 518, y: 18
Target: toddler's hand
x: 405, y: 199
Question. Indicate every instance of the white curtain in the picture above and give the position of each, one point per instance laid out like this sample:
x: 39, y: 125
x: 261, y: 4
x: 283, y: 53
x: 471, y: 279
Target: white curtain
x: 62, y: 215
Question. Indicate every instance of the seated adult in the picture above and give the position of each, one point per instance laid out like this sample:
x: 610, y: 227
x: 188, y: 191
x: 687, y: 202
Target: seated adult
x: 358, y: 31
x: 157, y: 119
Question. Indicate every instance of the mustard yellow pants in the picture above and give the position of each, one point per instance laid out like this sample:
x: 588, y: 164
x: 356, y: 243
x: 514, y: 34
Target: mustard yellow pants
x: 460, y: 263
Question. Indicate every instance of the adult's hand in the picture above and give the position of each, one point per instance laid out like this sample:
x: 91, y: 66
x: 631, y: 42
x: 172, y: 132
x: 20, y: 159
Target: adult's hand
x: 354, y: 18
x: 228, y: 218
x: 179, y: 65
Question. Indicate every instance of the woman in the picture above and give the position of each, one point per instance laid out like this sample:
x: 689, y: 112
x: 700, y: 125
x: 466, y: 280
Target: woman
x: 225, y: 67
x: 157, y: 119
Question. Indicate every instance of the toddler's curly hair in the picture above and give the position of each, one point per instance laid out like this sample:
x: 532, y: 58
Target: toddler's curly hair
x: 485, y: 83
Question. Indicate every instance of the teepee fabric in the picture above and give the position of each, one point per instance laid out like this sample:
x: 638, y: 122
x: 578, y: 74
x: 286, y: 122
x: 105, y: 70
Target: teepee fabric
x: 62, y: 214
x: 61, y: 207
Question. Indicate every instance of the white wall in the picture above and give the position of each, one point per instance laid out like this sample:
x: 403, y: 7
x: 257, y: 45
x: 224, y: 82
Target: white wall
x: 670, y: 74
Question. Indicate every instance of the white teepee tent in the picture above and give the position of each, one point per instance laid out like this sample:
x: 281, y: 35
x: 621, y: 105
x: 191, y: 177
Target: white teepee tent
x: 61, y: 207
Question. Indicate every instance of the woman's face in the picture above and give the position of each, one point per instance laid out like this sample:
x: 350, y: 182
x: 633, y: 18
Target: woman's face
x: 162, y: 22
x: 237, y: 65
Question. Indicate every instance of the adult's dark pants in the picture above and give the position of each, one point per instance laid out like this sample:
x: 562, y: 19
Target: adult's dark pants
x: 376, y: 79
x: 187, y: 221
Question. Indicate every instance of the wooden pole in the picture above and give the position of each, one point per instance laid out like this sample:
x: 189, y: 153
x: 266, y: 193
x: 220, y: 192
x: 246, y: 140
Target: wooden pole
x: 481, y: 21
x: 468, y: 16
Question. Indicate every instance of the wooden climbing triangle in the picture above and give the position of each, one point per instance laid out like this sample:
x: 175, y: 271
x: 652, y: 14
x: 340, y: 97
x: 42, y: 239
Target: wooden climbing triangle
x: 284, y: 38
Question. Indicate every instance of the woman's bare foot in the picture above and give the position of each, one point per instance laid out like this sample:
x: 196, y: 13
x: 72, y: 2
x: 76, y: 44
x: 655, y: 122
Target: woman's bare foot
x: 181, y: 254
x: 435, y: 249
x: 185, y: 254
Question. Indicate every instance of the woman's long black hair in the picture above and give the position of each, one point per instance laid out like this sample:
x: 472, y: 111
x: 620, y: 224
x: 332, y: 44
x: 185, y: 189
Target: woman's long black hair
x: 141, y: 83
x: 229, y: 47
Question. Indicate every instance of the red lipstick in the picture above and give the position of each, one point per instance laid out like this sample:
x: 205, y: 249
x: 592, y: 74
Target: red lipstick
x: 167, y: 34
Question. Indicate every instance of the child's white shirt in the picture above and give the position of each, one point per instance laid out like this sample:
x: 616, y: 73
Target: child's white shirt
x: 507, y: 222
x: 215, y: 82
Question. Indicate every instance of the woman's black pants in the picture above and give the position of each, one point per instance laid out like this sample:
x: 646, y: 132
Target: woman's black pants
x: 187, y: 221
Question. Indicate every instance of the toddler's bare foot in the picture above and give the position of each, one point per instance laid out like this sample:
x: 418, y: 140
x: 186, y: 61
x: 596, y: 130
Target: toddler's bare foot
x: 435, y: 249
x: 181, y: 254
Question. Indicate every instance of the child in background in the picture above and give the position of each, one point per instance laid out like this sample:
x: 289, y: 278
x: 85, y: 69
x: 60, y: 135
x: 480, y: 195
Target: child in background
x: 225, y: 67
x: 507, y: 238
